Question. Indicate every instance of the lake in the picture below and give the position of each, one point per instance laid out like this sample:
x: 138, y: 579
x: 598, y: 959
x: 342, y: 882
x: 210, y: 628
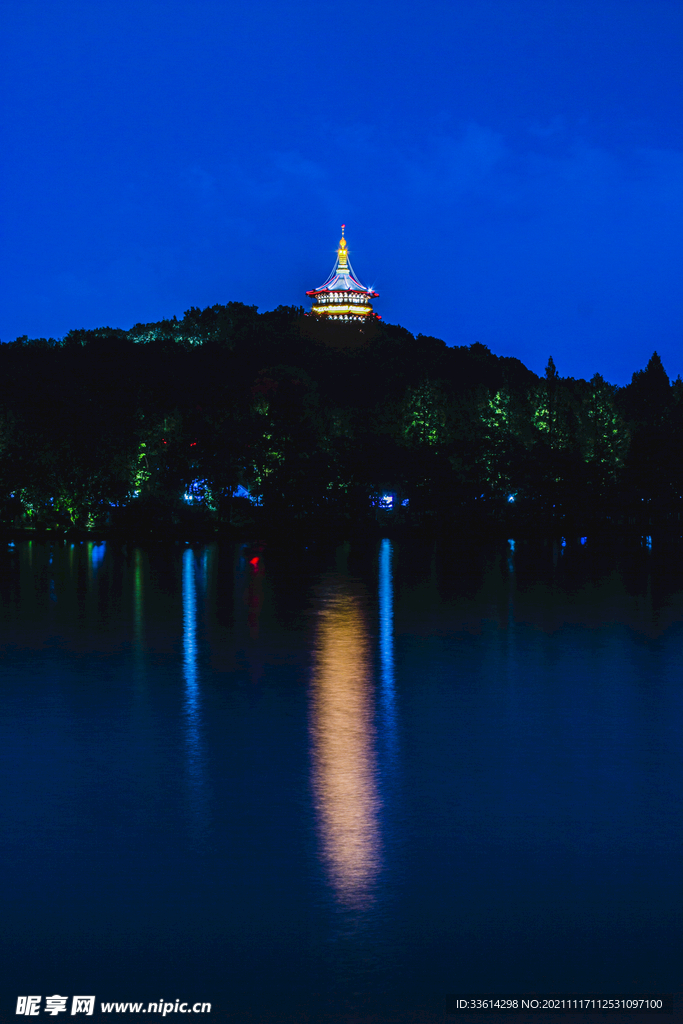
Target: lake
x: 336, y: 783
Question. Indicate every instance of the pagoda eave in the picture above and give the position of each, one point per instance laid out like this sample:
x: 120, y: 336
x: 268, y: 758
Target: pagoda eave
x: 344, y: 291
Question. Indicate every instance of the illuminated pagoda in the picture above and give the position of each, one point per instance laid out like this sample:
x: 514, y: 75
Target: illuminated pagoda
x: 343, y: 297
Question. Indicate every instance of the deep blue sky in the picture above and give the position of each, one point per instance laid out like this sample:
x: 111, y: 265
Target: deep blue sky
x: 509, y: 171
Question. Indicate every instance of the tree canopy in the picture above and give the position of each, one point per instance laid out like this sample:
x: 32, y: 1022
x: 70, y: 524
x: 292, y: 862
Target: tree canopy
x: 228, y: 418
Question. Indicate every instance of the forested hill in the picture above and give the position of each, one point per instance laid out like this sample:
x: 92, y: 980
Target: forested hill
x: 230, y: 418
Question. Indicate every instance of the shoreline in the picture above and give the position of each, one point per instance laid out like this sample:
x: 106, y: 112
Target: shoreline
x: 454, y: 531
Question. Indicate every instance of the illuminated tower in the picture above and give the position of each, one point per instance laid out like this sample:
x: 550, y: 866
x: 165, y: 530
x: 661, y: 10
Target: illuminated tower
x: 343, y: 297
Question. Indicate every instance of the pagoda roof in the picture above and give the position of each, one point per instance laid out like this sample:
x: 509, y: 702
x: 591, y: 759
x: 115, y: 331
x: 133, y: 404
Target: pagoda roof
x: 342, y: 278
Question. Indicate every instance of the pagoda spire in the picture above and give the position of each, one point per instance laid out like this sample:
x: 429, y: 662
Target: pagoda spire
x: 342, y: 254
x: 342, y: 296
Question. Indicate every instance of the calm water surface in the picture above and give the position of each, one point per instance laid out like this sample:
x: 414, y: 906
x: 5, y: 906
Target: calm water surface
x: 334, y: 785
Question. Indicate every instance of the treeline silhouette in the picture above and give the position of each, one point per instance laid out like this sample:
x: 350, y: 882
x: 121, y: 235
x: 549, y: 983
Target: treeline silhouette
x: 231, y: 419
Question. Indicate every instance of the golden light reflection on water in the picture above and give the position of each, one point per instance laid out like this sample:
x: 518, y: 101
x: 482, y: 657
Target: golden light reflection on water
x: 343, y: 743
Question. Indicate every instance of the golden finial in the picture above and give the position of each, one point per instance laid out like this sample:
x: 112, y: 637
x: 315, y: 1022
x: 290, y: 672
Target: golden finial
x: 342, y: 246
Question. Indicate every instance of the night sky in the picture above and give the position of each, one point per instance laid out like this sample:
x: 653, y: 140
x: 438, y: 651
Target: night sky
x: 509, y: 171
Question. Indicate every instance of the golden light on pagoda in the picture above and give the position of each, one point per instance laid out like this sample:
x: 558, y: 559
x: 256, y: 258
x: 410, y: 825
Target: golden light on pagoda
x: 342, y: 296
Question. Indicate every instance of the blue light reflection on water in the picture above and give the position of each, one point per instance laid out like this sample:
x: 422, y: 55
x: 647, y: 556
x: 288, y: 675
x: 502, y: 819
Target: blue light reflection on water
x: 511, y: 553
x: 386, y: 646
x: 53, y: 592
x: 196, y: 769
x: 97, y: 552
